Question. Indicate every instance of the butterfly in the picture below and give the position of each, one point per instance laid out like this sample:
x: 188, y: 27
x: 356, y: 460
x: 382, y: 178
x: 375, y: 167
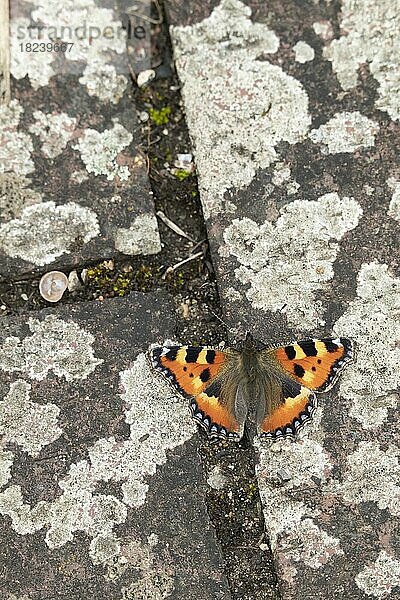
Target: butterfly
x: 269, y: 388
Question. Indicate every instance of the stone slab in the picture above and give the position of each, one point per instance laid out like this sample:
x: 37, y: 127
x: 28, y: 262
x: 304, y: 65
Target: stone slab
x: 73, y: 177
x: 293, y: 112
x: 102, y: 493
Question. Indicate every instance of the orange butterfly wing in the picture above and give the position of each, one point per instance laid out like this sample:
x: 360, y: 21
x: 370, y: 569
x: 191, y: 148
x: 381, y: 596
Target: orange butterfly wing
x: 193, y: 371
x: 286, y: 420
x: 315, y: 364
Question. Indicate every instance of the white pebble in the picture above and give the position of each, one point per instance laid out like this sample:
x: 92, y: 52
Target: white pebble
x: 145, y: 77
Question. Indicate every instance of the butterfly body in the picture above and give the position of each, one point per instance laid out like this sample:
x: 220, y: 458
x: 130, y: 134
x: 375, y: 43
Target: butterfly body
x: 270, y: 389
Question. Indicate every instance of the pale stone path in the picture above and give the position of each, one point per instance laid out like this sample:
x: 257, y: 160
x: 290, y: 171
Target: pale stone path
x: 293, y: 112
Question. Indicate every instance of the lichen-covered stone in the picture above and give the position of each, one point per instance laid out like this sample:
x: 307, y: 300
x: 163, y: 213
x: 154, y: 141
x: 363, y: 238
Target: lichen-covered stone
x: 81, y: 24
x: 72, y: 128
x: 54, y: 131
x: 6, y: 461
x: 303, y: 52
x: 16, y: 146
x: 281, y: 257
x: 373, y: 475
x: 55, y: 345
x: 369, y: 34
x: 15, y: 195
x: 380, y: 578
x: 371, y: 320
x: 346, y: 132
x: 394, y: 206
x: 238, y: 108
x: 45, y: 231
x: 99, y: 151
x: 141, y: 237
x: 103, y: 81
x: 28, y: 424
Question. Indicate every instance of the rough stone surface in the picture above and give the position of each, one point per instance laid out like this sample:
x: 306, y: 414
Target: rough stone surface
x: 72, y: 174
x: 304, y: 240
x: 98, y: 464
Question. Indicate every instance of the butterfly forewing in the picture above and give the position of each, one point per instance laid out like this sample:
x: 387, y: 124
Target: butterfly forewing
x: 194, y: 372
x: 189, y: 368
x: 315, y: 364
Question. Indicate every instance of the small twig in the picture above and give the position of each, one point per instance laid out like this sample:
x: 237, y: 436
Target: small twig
x: 182, y: 262
x: 131, y: 12
x: 173, y: 225
x: 132, y: 73
x: 198, y: 244
x: 150, y: 143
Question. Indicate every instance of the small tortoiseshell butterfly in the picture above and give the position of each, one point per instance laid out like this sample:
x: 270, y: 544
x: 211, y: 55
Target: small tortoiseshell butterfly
x: 271, y: 388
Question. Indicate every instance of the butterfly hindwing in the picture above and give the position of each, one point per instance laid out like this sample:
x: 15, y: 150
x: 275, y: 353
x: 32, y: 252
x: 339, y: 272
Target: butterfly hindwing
x: 295, y: 409
x: 315, y: 364
x: 214, y: 414
x: 194, y: 371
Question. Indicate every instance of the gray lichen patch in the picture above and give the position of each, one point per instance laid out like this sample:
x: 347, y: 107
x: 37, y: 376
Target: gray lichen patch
x: 24, y: 519
x: 373, y: 475
x: 295, y: 536
x: 104, y: 548
x: 394, y: 206
x: 77, y: 509
x: 238, y: 108
x: 158, y: 422
x: 56, y: 345
x: 39, y: 67
x: 302, y: 462
x: 142, y: 237
x: 154, y: 579
x: 86, y: 47
x: 280, y: 256
x: 149, y: 400
x: 15, y: 195
x: 16, y: 146
x: 282, y: 178
x: 30, y: 425
x: 80, y: 24
x: 324, y: 29
x: 99, y: 151
x: 371, y: 320
x: 379, y: 578
x: 103, y: 81
x: 151, y: 578
x: 45, y: 231
x: 369, y: 35
x: 6, y: 461
x: 54, y: 131
x: 303, y: 52
x: 345, y: 132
